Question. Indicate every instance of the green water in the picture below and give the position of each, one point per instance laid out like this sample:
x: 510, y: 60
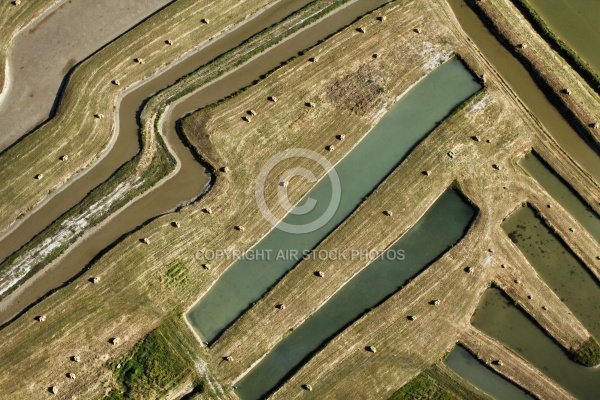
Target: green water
x: 499, y: 318
x: 576, y: 23
x: 410, y: 120
x: 471, y: 369
x: 562, y: 193
x: 557, y: 266
x: 441, y: 227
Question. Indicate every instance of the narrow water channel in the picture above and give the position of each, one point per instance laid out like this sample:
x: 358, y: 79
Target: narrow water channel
x: 471, y: 369
x: 191, y: 178
x: 443, y: 225
x: 576, y: 23
x: 525, y: 87
x: 406, y: 124
x: 562, y: 193
x: 558, y: 267
x: 499, y: 318
x: 127, y: 143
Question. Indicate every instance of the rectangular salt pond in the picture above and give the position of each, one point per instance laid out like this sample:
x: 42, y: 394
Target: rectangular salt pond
x: 557, y: 266
x: 497, y: 316
x: 471, y: 369
x: 422, y: 244
x: 562, y: 193
x: 409, y: 121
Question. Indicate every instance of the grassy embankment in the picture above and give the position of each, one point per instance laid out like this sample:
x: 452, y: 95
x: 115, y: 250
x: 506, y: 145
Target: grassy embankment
x: 580, y: 105
x: 158, y: 364
x: 576, y: 62
x: 153, y: 162
x: 525, y: 287
x: 514, y: 368
x: 587, y: 353
x: 83, y: 316
x: 438, y: 383
x: 74, y: 131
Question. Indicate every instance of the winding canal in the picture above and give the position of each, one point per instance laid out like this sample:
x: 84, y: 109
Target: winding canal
x: 191, y: 179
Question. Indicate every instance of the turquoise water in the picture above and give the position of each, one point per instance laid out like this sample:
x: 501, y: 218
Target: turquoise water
x: 410, y: 120
x: 471, y: 369
x: 441, y: 227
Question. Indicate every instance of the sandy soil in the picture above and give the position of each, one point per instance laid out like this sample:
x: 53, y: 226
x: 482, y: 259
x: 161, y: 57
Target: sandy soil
x: 44, y: 52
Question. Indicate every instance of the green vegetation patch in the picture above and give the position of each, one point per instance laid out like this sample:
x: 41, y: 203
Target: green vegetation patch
x: 160, y: 362
x: 588, y: 353
x: 176, y: 274
x: 438, y: 383
x: 423, y: 387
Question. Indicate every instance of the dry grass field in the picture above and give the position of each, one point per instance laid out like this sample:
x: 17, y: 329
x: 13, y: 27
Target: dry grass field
x: 75, y: 131
x: 572, y: 94
x: 153, y: 164
x: 147, y: 286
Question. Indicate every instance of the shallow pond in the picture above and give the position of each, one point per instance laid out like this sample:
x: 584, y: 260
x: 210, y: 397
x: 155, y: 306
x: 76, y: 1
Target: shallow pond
x: 562, y: 193
x: 471, y: 369
x: 498, y: 317
x: 421, y: 245
x: 557, y: 266
x: 576, y: 23
x: 410, y: 120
